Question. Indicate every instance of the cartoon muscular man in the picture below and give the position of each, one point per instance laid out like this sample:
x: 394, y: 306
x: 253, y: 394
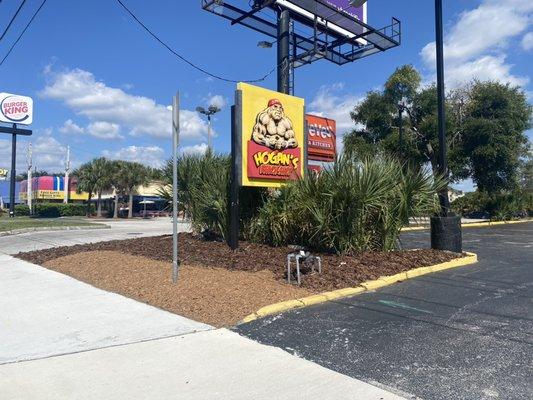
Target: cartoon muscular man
x: 273, y: 129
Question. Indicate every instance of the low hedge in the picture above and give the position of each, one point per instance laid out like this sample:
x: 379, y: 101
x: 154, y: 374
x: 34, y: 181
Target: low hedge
x: 54, y: 210
x: 22, y: 209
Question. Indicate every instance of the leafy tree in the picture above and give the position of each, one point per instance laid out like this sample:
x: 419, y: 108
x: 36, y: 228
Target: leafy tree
x: 23, y: 176
x: 493, y: 137
x: 377, y: 118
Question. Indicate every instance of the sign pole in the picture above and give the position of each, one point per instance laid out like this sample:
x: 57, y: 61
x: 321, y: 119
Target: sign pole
x: 233, y: 237
x: 13, y: 172
x: 175, y: 144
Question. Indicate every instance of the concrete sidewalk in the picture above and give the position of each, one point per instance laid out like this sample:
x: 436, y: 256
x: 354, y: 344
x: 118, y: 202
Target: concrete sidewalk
x: 120, y: 230
x: 64, y: 339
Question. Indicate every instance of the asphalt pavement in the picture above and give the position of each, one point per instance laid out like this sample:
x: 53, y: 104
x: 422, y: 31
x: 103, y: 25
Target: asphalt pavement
x: 465, y: 333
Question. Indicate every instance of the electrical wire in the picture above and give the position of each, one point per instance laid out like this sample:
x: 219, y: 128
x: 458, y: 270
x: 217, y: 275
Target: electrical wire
x: 22, y: 33
x: 185, y: 60
x: 12, y: 19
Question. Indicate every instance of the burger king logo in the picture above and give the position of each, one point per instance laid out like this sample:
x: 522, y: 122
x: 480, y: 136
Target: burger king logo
x: 16, y: 109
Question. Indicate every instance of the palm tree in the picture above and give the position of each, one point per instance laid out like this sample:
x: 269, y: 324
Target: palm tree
x: 94, y: 177
x: 119, y: 169
x: 133, y: 174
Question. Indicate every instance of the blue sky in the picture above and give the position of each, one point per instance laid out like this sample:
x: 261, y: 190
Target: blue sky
x: 102, y: 85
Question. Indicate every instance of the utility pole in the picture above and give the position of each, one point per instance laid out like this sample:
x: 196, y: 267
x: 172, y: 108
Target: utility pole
x: 175, y: 144
x: 67, y: 172
x: 29, y: 189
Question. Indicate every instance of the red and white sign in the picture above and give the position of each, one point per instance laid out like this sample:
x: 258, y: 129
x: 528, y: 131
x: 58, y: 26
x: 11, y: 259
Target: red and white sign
x: 15, y: 109
x: 321, y: 138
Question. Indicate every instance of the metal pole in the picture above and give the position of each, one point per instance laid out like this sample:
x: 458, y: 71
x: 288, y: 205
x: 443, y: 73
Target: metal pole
x: 283, y: 51
x: 443, y: 165
x: 209, y: 132
x: 175, y: 144
x: 29, y: 189
x: 400, y: 129
x: 66, y: 181
x: 13, y: 172
x: 233, y: 237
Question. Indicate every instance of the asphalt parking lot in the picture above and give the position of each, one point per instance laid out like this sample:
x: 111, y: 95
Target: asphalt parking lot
x: 464, y: 333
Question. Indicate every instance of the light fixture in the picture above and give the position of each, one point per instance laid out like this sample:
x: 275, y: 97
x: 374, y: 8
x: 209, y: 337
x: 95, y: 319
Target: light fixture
x: 264, y: 44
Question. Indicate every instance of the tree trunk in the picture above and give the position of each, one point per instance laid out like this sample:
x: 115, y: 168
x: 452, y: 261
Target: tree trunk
x: 115, y: 212
x: 130, y: 205
x: 88, y: 212
x: 99, y: 206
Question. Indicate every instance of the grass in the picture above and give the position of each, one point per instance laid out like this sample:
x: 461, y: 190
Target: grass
x: 9, y: 224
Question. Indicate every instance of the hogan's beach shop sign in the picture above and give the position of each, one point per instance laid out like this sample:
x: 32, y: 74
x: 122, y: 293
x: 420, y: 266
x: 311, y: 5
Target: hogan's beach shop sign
x: 15, y: 109
x: 271, y: 135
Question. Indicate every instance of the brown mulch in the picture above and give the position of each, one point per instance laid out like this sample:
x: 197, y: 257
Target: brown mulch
x: 338, y: 271
x: 216, y: 296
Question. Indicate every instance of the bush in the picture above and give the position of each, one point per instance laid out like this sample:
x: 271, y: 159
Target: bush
x: 46, y: 210
x: 22, y: 209
x: 350, y: 207
x: 203, y: 191
x: 54, y: 210
x: 496, y: 206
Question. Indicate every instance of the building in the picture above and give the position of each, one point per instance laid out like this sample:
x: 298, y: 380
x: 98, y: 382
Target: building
x: 4, y: 193
x: 51, y: 189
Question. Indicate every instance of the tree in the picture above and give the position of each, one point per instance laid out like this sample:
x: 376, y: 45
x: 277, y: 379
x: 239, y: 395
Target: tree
x: 23, y: 176
x: 493, y: 138
x: 94, y: 177
x: 377, y: 118
x: 133, y: 175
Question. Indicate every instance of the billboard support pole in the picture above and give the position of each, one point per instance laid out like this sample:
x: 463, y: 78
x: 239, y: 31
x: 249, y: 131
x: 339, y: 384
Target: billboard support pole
x: 175, y: 143
x: 13, y: 172
x: 283, y: 64
x: 233, y: 236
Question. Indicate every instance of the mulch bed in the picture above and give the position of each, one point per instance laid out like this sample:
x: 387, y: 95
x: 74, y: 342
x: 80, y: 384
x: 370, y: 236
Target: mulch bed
x: 338, y: 271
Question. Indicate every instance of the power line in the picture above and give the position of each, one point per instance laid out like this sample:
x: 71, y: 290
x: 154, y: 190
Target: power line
x: 182, y: 58
x: 12, y: 19
x: 22, y: 33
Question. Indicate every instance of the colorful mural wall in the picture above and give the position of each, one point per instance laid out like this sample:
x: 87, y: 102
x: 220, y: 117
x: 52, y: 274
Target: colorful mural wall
x: 51, y: 188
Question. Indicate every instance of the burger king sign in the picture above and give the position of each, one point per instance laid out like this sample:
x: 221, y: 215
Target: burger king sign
x: 15, y: 109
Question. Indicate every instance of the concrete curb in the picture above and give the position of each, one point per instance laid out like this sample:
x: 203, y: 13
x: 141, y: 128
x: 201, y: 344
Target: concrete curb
x: 283, y: 306
x: 470, y: 225
x: 53, y: 228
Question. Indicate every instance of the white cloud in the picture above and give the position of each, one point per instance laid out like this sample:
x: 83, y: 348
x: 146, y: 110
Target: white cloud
x: 329, y: 103
x: 48, y: 153
x: 153, y: 156
x: 217, y: 100
x: 484, y: 68
x: 80, y: 91
x: 104, y: 130
x: 475, y: 45
x: 195, y: 149
x: 70, y: 127
x: 527, y: 41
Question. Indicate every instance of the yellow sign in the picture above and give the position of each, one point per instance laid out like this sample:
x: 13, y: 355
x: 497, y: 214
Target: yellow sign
x: 54, y: 195
x: 3, y: 174
x: 271, y: 135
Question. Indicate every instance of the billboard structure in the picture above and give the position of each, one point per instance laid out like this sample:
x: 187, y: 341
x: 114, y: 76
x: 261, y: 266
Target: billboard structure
x: 270, y: 136
x: 326, y: 29
x: 15, y: 109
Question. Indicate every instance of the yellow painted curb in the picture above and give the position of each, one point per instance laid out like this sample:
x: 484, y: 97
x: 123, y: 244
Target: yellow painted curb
x: 277, y: 308
x: 470, y: 225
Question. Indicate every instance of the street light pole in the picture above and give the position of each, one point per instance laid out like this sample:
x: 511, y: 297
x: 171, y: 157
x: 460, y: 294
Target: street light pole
x: 445, y: 227
x: 211, y: 110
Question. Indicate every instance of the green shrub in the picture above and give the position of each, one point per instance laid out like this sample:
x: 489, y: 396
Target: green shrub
x: 350, y: 207
x: 46, y: 210
x: 22, y: 209
x: 496, y: 206
x: 72, y: 209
